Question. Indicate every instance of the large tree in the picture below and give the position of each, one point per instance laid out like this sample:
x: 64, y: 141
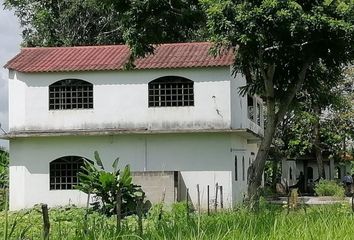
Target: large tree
x: 277, y: 42
x: 93, y: 22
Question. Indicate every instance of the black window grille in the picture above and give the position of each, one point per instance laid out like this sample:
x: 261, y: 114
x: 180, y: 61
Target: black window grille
x: 64, y: 172
x: 171, y: 91
x: 70, y: 94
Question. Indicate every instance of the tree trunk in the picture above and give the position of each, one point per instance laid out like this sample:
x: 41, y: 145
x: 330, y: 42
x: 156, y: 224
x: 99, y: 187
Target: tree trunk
x: 317, y: 142
x: 255, y: 171
x: 275, y: 171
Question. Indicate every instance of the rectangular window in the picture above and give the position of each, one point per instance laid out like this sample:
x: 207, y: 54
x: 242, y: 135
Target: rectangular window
x: 243, y: 168
x: 236, y: 176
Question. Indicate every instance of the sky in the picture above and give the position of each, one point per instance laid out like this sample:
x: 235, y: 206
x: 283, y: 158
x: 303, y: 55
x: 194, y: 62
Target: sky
x: 10, y: 39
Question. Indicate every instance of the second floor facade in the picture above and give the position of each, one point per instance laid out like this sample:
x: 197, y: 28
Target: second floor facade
x: 154, y: 99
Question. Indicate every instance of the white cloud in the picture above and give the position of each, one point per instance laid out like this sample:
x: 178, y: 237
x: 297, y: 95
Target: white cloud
x: 10, y: 39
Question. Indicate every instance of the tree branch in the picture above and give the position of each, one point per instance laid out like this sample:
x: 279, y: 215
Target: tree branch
x: 283, y: 108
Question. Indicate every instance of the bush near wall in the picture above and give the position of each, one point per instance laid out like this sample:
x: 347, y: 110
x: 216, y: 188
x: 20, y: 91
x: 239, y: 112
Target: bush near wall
x: 4, y: 176
x: 4, y: 168
x: 329, y: 188
x: 2, y: 199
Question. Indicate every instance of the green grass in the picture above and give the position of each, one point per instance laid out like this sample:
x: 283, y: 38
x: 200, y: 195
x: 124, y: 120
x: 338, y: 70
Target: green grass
x: 324, y: 222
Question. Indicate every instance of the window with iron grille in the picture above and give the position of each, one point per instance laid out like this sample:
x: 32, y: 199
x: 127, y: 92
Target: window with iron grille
x: 63, y: 172
x: 70, y: 94
x: 171, y: 91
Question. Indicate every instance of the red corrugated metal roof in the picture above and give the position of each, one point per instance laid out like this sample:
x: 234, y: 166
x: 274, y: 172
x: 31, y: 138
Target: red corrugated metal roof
x: 95, y: 58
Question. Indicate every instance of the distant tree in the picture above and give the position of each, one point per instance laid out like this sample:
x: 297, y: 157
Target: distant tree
x: 309, y: 130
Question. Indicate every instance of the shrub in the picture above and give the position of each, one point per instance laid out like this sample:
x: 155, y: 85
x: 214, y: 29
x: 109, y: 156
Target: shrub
x: 329, y: 188
x: 106, y: 186
x: 4, y: 169
x: 4, y: 177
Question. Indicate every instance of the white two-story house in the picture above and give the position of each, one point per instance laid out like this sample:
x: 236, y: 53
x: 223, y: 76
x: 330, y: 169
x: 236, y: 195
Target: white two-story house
x: 177, y: 111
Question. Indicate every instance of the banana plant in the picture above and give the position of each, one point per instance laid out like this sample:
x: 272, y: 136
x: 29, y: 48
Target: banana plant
x: 95, y: 180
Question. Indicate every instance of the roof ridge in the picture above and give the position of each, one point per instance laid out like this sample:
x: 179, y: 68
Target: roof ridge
x: 117, y: 45
x: 115, y: 57
x: 62, y: 47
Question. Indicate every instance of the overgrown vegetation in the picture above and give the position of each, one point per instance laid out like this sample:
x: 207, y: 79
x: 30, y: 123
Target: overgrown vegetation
x: 327, y: 222
x: 4, y: 177
x: 329, y: 188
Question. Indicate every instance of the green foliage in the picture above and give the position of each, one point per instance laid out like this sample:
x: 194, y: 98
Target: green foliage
x: 295, y: 137
x: 94, y: 22
x: 284, y: 33
x: 4, y: 177
x: 269, y: 223
x: 4, y: 168
x: 283, y: 48
x: 329, y: 188
x: 107, y: 185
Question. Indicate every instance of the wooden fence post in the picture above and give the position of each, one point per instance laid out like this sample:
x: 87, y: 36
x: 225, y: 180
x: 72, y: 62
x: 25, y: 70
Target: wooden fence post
x: 221, y: 198
x: 46, y: 223
x: 119, y: 209
x: 87, y: 211
x: 6, y: 230
x: 216, y: 197
x: 140, y: 215
x: 208, y: 199
x: 162, y: 203
x: 187, y: 203
x: 198, y: 193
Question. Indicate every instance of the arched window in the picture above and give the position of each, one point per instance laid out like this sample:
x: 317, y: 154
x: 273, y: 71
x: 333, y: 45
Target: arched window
x: 63, y: 172
x: 70, y: 94
x: 290, y: 173
x: 171, y: 91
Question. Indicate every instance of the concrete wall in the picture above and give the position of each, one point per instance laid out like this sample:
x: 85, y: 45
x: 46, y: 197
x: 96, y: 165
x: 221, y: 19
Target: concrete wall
x: 242, y: 154
x: 330, y: 171
x: 30, y: 158
x: 157, y: 185
x: 190, y: 180
x: 289, y: 176
x: 121, y: 101
x: 239, y: 110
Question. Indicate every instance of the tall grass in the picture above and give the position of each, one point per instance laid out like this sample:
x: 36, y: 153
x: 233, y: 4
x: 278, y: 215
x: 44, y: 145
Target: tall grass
x: 324, y: 222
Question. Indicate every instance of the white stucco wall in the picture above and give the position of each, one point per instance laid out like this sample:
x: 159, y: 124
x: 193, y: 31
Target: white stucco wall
x: 244, y: 153
x: 239, y: 111
x: 17, y: 102
x: 30, y: 158
x: 121, y: 101
x: 205, y: 179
